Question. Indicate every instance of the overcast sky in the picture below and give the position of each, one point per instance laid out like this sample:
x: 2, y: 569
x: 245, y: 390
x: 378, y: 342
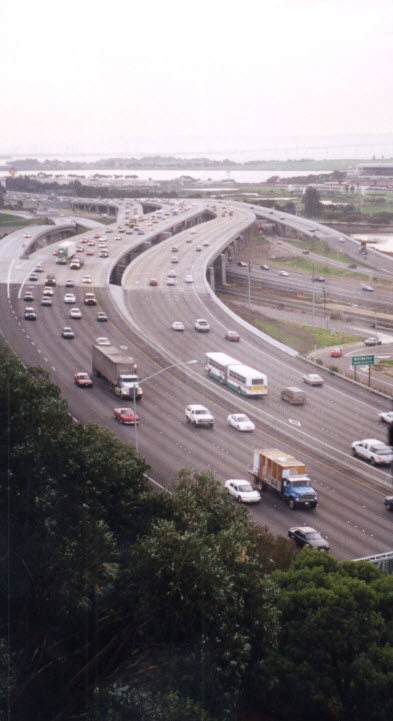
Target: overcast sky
x: 127, y: 76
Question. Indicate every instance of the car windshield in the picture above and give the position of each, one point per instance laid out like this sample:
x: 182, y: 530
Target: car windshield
x: 240, y: 418
x: 246, y: 488
x: 82, y: 376
x: 314, y: 536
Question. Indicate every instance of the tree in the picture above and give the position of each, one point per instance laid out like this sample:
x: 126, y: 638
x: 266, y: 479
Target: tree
x: 312, y: 206
x: 335, y: 641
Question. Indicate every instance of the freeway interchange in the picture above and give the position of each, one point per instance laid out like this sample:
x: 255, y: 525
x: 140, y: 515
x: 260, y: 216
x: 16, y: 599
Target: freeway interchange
x: 350, y: 513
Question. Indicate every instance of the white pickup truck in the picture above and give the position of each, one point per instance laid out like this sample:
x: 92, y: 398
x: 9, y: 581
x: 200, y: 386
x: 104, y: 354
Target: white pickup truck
x: 199, y: 416
x: 373, y: 450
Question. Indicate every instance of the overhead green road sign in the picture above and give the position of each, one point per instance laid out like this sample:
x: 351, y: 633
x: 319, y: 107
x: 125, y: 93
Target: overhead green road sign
x: 363, y: 360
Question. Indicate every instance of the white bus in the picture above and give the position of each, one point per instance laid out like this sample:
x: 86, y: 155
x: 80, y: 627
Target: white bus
x: 234, y: 374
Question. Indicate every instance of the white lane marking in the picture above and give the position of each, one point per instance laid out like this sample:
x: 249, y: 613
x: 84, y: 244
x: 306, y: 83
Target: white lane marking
x: 293, y: 422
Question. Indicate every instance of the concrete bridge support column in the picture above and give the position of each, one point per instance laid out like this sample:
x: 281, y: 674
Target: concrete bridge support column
x: 211, y: 278
x: 223, y: 268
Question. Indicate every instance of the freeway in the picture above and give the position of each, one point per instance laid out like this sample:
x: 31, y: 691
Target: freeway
x: 350, y: 513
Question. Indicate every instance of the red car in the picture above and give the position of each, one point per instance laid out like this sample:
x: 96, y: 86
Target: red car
x: 83, y: 380
x: 336, y: 353
x: 153, y: 281
x: 125, y: 415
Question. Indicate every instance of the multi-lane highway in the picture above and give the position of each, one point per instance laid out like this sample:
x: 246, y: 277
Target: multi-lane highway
x: 350, y: 512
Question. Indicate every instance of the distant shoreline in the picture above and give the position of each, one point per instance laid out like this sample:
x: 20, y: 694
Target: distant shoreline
x: 181, y: 164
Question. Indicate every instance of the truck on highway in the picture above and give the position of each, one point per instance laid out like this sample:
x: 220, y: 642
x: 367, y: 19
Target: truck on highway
x: 65, y: 251
x: 278, y: 470
x: 119, y: 370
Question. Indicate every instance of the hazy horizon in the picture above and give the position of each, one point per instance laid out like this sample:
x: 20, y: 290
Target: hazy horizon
x: 276, y: 78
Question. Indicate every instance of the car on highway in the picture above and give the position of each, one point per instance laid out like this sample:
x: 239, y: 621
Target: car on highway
x: 199, y: 415
x: 83, y: 380
x: 103, y: 341
x: 45, y: 300
x: 75, y: 313
x: 48, y: 292
x: 242, y: 490
x: 386, y: 416
x: 104, y: 254
x: 341, y: 240
x: 306, y: 252
x: 174, y: 249
x: 193, y: 231
x: 198, y: 248
x: 86, y: 279
x: 153, y: 281
x: 102, y: 317
x: 284, y: 273
x: 188, y: 279
x: 79, y: 249
x: 241, y: 422
x: 170, y: 281
x: 377, y: 452
x: 90, y: 299
x: 201, y: 325
x: 372, y: 341
x: 265, y: 267
x: 50, y: 281
x: 313, y: 379
x: 38, y: 269
x: 30, y: 313
x: 28, y: 295
x: 174, y: 259
x: 388, y: 502
x: 90, y: 252
x: 177, y: 325
x: 125, y: 415
x: 242, y: 263
x: 91, y: 243
x: 67, y: 332
x: 171, y: 274
x: 33, y: 276
x: 69, y: 298
x: 309, y: 537
x: 69, y: 284
x: 367, y: 288
x: 26, y: 235
x: 205, y: 242
x: 336, y: 353
x: 319, y: 279
x: 232, y: 336
x: 352, y: 265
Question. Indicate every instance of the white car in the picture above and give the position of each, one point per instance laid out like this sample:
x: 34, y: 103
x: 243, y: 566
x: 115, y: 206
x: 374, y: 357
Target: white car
x: 242, y: 490
x: 86, y: 279
x: 192, y: 232
x: 69, y: 298
x: 177, y: 325
x: 201, y: 325
x: 284, y: 273
x: 198, y: 415
x: 75, y: 313
x: 241, y: 422
x: 170, y: 281
x: 313, y: 379
x: 103, y: 341
x: 205, y: 242
x: 175, y: 259
x: 386, y: 416
x: 188, y: 279
x: 171, y: 274
x: 373, y: 450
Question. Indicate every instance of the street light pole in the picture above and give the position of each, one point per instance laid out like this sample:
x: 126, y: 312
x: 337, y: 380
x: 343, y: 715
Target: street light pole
x: 167, y: 368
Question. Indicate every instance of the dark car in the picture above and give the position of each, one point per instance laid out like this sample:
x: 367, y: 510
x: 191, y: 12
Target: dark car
x: 307, y: 536
x: 388, y: 502
x: 352, y: 265
x: 50, y: 280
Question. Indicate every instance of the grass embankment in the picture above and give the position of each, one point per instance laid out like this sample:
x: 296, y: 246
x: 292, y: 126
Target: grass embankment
x: 385, y: 366
x: 302, y: 338
x: 9, y: 219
